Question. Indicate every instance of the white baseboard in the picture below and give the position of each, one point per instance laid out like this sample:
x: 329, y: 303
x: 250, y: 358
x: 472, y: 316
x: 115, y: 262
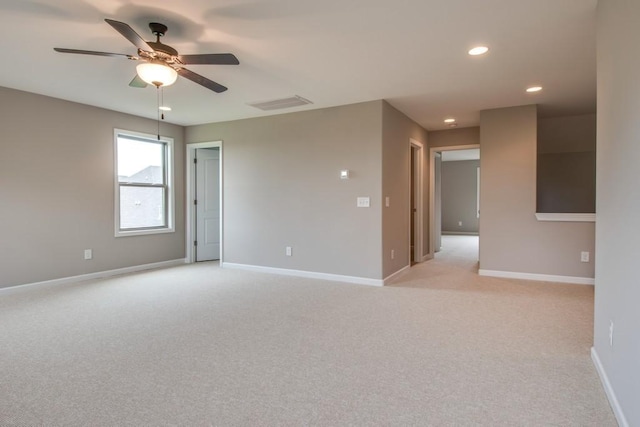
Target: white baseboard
x: 537, y: 277
x: 460, y: 233
x: 99, y: 274
x: 611, y: 395
x: 390, y: 278
x: 307, y: 274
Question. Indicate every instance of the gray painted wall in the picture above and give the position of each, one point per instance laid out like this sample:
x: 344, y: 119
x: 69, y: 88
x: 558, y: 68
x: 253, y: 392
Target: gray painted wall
x: 57, y: 191
x: 452, y: 137
x: 397, y: 129
x: 566, y: 170
x: 459, y: 196
x: 282, y: 187
x: 511, y: 238
x: 617, y: 289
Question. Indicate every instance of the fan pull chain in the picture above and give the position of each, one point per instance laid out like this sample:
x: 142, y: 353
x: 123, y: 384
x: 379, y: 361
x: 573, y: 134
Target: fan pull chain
x: 162, y: 102
x: 158, y: 109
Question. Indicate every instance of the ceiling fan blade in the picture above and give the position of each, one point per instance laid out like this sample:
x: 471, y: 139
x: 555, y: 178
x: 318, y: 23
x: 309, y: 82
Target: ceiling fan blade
x: 210, y: 58
x: 129, y: 34
x: 92, y: 52
x: 201, y: 80
x: 137, y: 82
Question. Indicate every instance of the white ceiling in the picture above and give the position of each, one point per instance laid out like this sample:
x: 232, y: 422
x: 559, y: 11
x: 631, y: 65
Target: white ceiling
x: 412, y: 53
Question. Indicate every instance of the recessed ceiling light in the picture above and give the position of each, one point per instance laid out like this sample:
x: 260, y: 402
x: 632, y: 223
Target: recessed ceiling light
x: 449, y: 120
x: 478, y: 50
x: 534, y: 89
x: 164, y: 108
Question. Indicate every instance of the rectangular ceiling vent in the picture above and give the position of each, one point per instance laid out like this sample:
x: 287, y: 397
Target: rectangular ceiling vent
x: 278, y: 104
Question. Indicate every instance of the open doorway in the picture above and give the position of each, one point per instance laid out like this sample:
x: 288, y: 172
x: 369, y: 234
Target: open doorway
x: 204, y: 229
x: 416, y: 239
x: 454, y: 209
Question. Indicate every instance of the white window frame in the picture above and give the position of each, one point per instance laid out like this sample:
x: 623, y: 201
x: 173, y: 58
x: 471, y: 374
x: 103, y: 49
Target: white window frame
x: 170, y: 227
x: 478, y: 192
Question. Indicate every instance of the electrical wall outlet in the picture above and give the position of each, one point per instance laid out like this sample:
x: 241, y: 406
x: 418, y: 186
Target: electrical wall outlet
x: 88, y: 254
x: 387, y: 201
x: 584, y: 256
x: 459, y: 223
x: 393, y: 253
x: 288, y: 251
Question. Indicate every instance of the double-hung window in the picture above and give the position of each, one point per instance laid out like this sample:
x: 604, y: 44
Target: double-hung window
x: 143, y: 187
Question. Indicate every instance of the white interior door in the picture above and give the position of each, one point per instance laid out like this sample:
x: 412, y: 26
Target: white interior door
x: 208, y: 204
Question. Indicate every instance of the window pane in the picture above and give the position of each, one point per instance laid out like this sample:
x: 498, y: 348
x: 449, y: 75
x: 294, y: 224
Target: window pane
x: 142, y: 207
x: 140, y: 161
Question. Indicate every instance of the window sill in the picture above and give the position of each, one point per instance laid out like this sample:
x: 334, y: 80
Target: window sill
x: 144, y: 232
x: 566, y: 217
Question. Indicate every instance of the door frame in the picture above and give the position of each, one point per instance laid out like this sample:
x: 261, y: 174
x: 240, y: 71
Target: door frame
x: 190, y: 214
x: 432, y: 188
x: 418, y: 179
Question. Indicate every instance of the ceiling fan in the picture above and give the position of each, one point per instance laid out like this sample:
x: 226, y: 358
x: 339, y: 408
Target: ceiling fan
x: 161, y: 63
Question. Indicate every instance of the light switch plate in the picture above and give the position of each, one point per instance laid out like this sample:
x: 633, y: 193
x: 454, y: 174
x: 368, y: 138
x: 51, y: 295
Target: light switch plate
x: 363, y: 202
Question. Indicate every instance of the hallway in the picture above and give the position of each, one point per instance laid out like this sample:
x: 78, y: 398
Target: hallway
x: 459, y: 250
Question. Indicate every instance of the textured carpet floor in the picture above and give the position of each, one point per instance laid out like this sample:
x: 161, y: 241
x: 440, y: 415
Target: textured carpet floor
x: 201, y: 345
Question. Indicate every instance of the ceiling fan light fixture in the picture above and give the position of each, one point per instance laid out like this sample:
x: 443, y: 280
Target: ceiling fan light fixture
x: 157, y: 74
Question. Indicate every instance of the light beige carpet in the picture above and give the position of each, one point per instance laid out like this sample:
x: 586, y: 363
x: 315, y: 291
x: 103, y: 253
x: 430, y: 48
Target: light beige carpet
x: 201, y: 345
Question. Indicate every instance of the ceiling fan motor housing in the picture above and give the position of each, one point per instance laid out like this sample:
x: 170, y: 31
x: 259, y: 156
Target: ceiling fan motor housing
x: 163, y: 48
x: 159, y: 30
